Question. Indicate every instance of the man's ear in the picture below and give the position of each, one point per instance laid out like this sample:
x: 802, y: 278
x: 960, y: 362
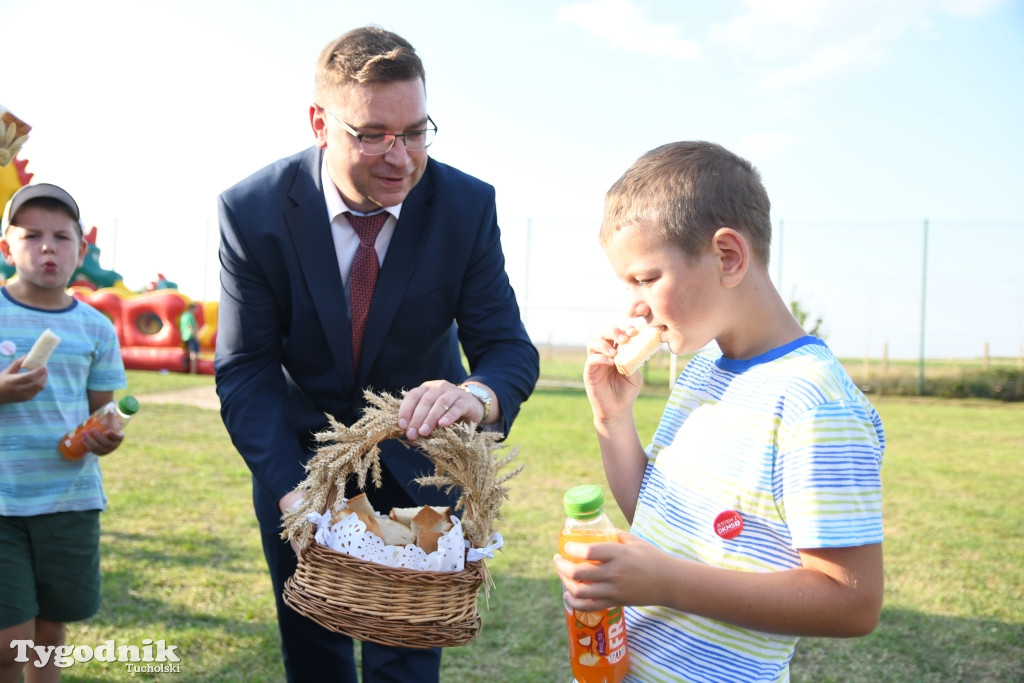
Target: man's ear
x: 733, y: 253
x: 318, y: 122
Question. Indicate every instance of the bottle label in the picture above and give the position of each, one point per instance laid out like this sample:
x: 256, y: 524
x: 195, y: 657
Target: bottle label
x: 596, y: 638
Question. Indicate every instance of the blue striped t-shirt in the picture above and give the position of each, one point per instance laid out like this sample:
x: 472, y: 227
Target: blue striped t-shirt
x: 791, y: 444
x: 34, y: 478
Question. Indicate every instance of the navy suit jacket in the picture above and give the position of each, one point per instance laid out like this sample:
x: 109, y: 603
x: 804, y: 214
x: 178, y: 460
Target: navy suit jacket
x: 284, y: 349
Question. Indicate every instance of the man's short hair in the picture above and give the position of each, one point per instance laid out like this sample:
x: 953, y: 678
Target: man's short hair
x: 685, y: 191
x: 368, y: 54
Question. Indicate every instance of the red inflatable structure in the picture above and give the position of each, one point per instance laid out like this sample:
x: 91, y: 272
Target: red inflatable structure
x: 147, y: 326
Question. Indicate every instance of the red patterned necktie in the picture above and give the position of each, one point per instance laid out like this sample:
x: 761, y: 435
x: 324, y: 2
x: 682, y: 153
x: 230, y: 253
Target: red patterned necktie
x: 363, y: 275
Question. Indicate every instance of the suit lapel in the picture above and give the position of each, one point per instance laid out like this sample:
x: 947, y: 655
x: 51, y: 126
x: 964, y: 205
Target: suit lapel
x: 310, y: 230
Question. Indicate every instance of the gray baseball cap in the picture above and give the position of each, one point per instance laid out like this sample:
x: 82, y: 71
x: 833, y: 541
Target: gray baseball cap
x: 37, y: 191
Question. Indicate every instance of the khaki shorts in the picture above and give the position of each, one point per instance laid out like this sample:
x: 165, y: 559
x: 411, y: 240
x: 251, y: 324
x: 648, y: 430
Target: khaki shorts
x: 49, y: 567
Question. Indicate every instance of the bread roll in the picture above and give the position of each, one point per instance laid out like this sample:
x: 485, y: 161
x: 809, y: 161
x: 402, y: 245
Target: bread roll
x: 41, y: 350
x: 630, y: 355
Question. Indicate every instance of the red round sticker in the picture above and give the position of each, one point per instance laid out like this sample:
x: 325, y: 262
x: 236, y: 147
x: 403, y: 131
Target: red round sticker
x: 728, y: 524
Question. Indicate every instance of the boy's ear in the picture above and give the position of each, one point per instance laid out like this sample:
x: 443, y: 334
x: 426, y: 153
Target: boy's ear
x: 733, y: 254
x: 83, y: 249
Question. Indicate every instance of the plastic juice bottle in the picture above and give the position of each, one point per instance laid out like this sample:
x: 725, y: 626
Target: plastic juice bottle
x: 597, y: 640
x: 112, y: 416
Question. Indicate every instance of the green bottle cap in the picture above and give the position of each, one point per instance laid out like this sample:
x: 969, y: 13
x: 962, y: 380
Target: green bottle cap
x: 128, y: 405
x: 584, y: 501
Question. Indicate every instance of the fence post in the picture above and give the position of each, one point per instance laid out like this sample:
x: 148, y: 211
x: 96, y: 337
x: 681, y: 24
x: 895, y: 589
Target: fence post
x: 924, y: 299
x: 885, y: 367
x: 526, y: 281
x: 778, y: 252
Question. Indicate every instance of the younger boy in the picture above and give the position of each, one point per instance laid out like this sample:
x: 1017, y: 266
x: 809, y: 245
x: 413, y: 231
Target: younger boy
x: 756, y: 512
x: 49, y: 507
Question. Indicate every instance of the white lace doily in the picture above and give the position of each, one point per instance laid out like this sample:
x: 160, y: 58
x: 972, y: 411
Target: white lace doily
x: 349, y: 536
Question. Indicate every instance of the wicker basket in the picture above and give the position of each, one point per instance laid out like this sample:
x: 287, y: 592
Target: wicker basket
x: 386, y: 605
x: 374, y: 602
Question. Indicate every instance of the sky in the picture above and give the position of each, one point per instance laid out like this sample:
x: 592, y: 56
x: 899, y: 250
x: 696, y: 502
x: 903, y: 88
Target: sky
x: 888, y: 134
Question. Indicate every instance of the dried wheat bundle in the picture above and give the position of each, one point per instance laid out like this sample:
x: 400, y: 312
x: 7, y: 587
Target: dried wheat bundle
x: 463, y: 458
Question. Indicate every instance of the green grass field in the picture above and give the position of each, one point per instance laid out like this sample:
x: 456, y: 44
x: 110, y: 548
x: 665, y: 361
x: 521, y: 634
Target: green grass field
x: 182, y: 561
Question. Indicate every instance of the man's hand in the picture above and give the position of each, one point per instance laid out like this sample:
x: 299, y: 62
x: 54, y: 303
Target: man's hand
x: 439, y: 403
x: 287, y: 502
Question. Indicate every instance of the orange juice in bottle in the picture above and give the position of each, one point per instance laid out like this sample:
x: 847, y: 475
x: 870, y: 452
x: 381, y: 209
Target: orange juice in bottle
x: 109, y: 417
x: 597, y: 640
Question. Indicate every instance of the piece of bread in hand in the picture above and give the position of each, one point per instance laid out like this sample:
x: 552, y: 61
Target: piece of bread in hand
x: 41, y: 350
x: 630, y: 355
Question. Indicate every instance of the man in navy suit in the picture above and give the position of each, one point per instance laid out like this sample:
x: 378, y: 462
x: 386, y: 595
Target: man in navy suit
x: 286, y: 355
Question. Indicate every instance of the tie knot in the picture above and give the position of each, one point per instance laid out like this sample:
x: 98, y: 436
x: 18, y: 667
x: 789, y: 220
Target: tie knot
x: 367, y: 227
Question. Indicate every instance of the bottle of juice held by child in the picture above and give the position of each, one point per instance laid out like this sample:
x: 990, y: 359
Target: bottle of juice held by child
x: 597, y: 640
x: 110, y: 417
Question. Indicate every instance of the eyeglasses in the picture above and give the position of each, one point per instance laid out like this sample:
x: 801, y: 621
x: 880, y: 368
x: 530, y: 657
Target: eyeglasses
x: 375, y: 144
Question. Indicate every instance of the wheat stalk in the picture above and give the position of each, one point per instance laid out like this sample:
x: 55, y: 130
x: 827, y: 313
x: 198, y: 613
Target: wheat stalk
x: 464, y: 459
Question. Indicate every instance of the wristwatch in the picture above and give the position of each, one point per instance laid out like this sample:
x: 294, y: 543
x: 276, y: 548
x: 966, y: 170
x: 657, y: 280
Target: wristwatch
x: 481, y: 394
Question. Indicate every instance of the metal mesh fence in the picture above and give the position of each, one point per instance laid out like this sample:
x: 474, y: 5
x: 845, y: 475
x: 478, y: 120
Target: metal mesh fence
x: 899, y: 291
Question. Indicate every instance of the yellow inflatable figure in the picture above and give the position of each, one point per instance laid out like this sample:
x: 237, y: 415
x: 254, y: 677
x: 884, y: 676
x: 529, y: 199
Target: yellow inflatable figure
x: 13, y: 134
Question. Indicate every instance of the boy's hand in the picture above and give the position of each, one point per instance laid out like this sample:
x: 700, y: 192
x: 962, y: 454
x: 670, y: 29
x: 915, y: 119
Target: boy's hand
x: 102, y: 442
x: 611, y: 393
x: 615, y: 574
x: 17, y: 386
x: 837, y: 592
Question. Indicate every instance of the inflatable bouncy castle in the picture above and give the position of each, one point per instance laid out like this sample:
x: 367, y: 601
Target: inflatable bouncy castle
x: 147, y: 322
x: 147, y: 326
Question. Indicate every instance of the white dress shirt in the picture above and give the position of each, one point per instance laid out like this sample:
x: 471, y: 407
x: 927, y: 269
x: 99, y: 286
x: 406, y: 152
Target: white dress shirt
x: 346, y: 241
